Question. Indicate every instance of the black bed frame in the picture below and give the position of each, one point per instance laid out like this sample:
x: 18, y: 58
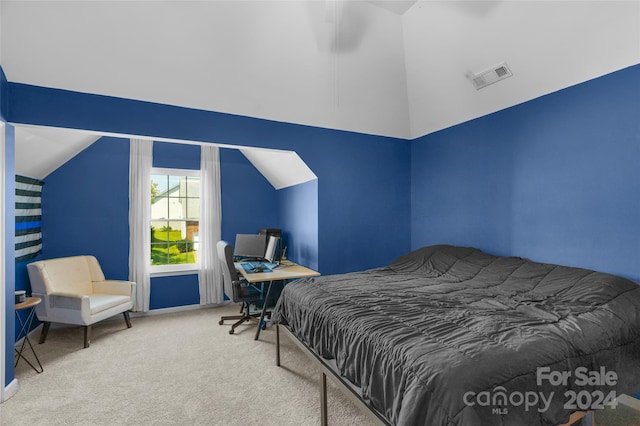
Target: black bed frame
x: 353, y: 393
x: 349, y: 389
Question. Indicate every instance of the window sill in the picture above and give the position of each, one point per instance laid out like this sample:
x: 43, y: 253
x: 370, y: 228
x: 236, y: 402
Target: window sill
x: 170, y: 270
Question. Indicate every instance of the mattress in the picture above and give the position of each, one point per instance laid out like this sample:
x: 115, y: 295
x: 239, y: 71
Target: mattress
x: 449, y: 335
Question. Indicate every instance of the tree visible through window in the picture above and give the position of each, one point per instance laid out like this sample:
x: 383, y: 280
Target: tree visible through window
x: 175, y: 215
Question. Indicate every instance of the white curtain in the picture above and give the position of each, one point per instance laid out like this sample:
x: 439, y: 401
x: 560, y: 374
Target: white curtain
x: 210, y: 272
x: 140, y: 161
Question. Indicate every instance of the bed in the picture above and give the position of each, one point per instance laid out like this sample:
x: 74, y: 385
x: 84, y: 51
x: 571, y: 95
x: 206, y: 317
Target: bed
x: 450, y: 335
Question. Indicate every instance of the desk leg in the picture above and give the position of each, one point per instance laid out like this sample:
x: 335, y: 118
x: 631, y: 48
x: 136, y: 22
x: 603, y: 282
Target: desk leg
x: 264, y: 310
x: 278, y: 345
x: 24, y: 329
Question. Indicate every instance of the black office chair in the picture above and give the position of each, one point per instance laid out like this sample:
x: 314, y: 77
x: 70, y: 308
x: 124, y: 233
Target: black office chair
x: 242, y: 291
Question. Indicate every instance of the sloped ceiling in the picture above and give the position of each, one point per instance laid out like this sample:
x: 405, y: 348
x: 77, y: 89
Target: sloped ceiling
x: 392, y: 68
x: 548, y: 45
x: 41, y: 150
x: 281, y: 168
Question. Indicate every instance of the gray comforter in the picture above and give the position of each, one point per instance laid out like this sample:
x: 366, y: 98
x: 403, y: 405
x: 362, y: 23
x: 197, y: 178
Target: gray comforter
x: 453, y: 336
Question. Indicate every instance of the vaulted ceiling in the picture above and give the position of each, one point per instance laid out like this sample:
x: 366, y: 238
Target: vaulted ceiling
x: 393, y: 68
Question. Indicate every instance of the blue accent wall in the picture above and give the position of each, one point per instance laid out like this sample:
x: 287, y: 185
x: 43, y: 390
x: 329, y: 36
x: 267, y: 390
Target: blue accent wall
x: 174, y: 156
x: 364, y: 180
x: 299, y: 211
x: 363, y: 199
x: 85, y: 207
x: 172, y: 291
x: 555, y: 179
x: 249, y: 202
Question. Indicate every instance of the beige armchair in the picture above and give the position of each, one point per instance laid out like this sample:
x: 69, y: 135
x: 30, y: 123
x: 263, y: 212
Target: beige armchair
x: 74, y: 291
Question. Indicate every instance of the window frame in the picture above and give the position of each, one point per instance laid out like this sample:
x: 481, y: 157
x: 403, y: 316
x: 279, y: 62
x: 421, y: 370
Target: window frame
x: 181, y: 268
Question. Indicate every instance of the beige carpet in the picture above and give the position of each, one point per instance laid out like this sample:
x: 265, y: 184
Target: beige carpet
x: 172, y: 369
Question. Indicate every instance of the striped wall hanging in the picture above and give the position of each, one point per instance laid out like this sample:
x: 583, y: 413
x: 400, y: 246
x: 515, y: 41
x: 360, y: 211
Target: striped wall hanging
x: 28, y: 218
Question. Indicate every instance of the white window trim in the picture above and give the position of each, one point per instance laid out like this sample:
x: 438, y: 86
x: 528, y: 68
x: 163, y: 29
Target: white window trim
x: 181, y: 269
x: 170, y: 270
x: 179, y: 172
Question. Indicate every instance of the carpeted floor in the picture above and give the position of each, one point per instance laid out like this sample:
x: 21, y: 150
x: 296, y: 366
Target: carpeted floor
x: 172, y: 369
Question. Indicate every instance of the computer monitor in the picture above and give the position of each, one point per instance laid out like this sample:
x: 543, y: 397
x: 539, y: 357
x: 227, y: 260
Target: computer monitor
x: 276, y: 254
x: 272, y: 249
x: 252, y: 246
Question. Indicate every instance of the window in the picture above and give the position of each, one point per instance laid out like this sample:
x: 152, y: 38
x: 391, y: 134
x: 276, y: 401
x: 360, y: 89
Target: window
x: 175, y: 215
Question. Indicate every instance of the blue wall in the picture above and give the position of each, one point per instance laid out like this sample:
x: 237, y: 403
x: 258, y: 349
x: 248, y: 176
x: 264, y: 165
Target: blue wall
x: 249, y: 202
x: 299, y: 211
x: 552, y: 179
x: 85, y: 204
x: 364, y: 180
x: 86, y: 211
x: 174, y: 156
x: 555, y: 179
x: 364, y: 205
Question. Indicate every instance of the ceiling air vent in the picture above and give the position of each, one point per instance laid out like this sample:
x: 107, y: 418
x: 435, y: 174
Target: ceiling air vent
x: 490, y: 76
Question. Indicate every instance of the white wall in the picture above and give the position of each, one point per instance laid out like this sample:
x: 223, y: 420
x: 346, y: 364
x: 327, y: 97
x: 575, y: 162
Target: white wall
x: 342, y: 64
x: 547, y: 45
x: 1, y: 38
x: 269, y: 59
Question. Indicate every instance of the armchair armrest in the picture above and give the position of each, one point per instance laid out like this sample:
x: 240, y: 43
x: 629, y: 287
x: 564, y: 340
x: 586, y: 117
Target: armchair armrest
x: 78, y: 302
x: 124, y: 288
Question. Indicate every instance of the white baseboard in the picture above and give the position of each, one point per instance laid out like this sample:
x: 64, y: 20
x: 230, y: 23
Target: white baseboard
x: 57, y: 325
x: 177, y: 309
x: 11, y: 389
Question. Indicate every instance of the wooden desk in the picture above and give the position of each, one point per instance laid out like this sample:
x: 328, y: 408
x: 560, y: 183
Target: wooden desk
x: 286, y: 271
x: 30, y: 304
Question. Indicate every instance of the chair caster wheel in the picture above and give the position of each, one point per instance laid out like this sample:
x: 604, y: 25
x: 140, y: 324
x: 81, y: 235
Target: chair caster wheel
x: 221, y: 322
x: 231, y: 331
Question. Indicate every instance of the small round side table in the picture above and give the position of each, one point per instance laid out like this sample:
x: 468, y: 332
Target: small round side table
x: 30, y: 304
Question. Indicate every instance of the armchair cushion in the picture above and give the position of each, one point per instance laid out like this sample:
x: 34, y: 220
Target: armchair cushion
x: 102, y: 302
x: 69, y: 275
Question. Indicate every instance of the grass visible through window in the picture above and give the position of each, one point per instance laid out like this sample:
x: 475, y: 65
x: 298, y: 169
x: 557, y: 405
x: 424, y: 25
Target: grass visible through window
x: 169, y: 248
